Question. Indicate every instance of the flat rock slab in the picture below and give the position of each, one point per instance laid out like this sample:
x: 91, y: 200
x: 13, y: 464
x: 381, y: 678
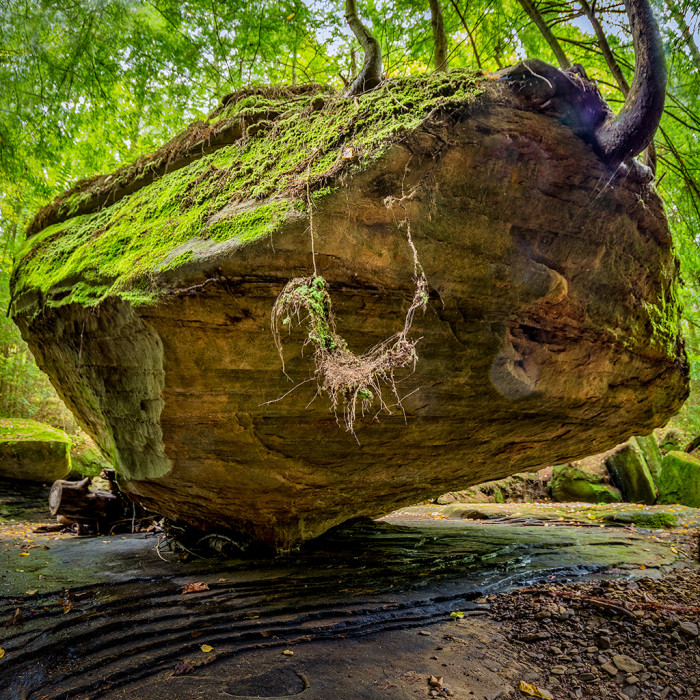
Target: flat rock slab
x: 355, y: 584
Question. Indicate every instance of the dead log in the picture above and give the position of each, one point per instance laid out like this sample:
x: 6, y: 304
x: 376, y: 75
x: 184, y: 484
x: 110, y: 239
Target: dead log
x: 76, y: 502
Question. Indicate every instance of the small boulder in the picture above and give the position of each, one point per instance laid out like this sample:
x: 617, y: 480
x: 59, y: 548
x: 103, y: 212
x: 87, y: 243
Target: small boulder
x: 651, y: 452
x: 679, y: 479
x: 630, y: 473
x: 32, y: 451
x: 585, y: 480
x: 690, y: 629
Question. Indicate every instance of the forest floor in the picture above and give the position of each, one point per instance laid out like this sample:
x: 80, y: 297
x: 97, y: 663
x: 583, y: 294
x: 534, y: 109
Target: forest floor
x: 547, y: 600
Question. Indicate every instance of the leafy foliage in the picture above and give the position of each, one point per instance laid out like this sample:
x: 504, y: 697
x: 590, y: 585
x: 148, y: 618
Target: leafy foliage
x: 88, y: 85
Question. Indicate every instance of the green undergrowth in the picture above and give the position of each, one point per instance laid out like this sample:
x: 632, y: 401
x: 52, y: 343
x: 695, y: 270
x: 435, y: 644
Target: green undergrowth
x: 19, y: 430
x: 240, y: 192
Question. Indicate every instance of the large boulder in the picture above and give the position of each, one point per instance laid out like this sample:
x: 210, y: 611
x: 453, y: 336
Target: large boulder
x: 631, y: 473
x: 552, y: 328
x: 679, y: 479
x: 32, y: 451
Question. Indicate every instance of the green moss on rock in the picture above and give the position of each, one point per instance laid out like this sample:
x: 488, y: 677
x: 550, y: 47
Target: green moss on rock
x: 631, y: 474
x: 571, y: 483
x: 679, y: 479
x: 238, y: 192
x: 651, y: 452
x: 19, y: 430
x: 32, y: 451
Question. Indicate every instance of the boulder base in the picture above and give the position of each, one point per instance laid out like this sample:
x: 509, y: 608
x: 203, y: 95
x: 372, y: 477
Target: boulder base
x: 631, y: 473
x: 551, y: 331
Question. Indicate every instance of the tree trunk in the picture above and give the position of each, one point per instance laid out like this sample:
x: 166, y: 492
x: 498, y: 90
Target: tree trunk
x: 371, y: 74
x: 632, y: 129
x: 439, y: 36
x: 534, y: 14
x: 605, y: 49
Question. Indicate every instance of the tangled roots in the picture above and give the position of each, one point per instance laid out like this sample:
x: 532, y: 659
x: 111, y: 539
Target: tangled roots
x: 348, y: 379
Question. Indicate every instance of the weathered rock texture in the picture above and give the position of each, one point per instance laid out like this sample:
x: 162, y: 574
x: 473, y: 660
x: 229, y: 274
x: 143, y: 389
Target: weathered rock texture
x: 32, y: 451
x: 679, y: 479
x: 551, y: 333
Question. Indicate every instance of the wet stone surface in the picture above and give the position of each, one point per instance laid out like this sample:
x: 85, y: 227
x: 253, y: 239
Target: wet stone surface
x: 412, y: 606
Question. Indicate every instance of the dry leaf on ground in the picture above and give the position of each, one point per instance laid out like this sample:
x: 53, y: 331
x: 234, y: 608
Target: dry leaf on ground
x: 535, y: 692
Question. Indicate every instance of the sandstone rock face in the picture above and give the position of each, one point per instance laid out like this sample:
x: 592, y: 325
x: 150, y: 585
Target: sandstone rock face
x: 551, y: 331
x: 32, y: 451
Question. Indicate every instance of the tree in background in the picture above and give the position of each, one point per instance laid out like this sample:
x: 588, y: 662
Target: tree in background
x: 87, y: 85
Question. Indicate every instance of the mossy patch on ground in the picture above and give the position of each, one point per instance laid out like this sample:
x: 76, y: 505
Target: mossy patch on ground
x: 237, y: 192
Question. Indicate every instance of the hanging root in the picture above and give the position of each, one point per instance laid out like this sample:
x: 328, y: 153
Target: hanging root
x: 349, y: 380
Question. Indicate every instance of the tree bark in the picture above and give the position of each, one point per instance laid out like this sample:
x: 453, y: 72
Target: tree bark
x: 371, y: 73
x: 534, y: 14
x: 632, y: 130
x: 439, y: 36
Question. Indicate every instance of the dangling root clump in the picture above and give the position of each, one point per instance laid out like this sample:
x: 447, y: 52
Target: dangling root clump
x: 349, y: 380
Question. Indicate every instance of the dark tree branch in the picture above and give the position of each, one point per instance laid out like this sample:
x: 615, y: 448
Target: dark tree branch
x: 469, y: 34
x: 371, y: 74
x: 686, y: 33
x: 633, y: 129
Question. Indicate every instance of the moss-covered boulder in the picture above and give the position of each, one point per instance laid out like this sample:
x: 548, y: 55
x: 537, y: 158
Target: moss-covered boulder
x: 631, y: 474
x: 552, y: 330
x: 651, y: 452
x: 585, y: 481
x: 32, y: 451
x: 679, y: 479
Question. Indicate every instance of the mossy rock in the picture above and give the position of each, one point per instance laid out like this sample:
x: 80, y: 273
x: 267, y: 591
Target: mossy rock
x: 679, y: 479
x: 671, y: 440
x: 573, y: 483
x: 32, y: 451
x: 147, y: 300
x: 652, y: 520
x: 652, y: 453
x: 630, y: 473
x: 88, y: 461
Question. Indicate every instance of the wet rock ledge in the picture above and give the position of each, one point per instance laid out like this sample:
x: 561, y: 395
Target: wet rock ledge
x: 551, y: 330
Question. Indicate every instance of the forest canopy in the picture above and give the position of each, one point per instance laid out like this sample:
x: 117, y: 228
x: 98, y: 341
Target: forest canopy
x: 88, y: 85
